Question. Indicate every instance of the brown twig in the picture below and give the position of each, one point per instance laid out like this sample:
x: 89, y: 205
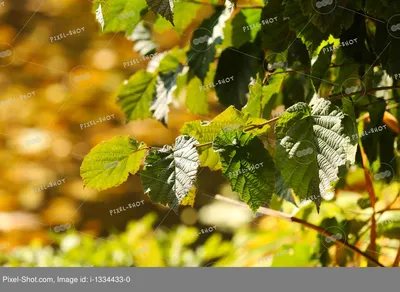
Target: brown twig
x: 372, y: 197
x: 386, y: 210
x: 278, y: 214
x: 222, y: 5
x: 371, y: 90
x: 397, y: 259
x: 259, y: 126
x: 342, y: 65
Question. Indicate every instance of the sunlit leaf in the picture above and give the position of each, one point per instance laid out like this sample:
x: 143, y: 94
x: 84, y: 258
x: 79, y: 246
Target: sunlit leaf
x: 163, y: 7
x: 136, y: 95
x: 313, y: 146
x: 110, y: 163
x: 119, y: 15
x: 205, y: 131
x: 170, y: 173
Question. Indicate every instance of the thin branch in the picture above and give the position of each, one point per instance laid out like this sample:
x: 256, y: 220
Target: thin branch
x: 260, y: 126
x: 389, y: 207
x: 290, y: 71
x: 386, y: 210
x: 397, y: 259
x: 372, y: 197
x: 204, y: 144
x: 278, y: 214
x: 309, y: 69
x: 371, y: 90
x: 222, y: 4
x: 342, y: 65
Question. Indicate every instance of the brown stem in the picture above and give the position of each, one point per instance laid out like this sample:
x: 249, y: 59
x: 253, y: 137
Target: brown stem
x: 397, y: 259
x: 259, y: 126
x: 274, y: 213
x: 222, y: 5
x: 291, y: 71
x: 372, y: 197
x: 371, y: 90
x: 386, y: 210
x: 204, y: 144
x: 342, y: 65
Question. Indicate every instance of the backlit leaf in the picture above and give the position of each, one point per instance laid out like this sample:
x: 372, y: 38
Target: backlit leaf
x: 110, y: 163
x: 170, y: 173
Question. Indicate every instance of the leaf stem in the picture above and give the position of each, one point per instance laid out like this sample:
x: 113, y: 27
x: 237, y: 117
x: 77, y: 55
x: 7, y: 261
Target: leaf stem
x: 222, y: 5
x: 342, y: 65
x: 203, y: 145
x: 278, y: 214
x: 259, y: 126
x: 250, y: 127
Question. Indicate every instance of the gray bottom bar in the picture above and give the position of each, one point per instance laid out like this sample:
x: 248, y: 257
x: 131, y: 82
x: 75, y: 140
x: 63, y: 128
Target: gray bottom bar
x: 198, y: 279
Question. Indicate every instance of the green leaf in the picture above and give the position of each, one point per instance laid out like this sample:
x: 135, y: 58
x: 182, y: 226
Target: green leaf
x: 298, y: 255
x: 381, y: 9
x: 297, y: 56
x: 242, y: 28
x: 240, y: 65
x: 184, y: 14
x: 204, y: 38
x: 314, y: 146
x: 255, y: 104
x: 282, y: 191
x: 163, y: 7
x: 302, y: 24
x: 170, y: 173
x: 109, y: 163
x: 205, y: 131
x: 320, y: 67
x: 119, y: 15
x: 196, y: 97
x: 331, y: 18
x: 247, y: 165
x: 388, y: 224
x: 261, y: 98
x: 339, y: 231
x: 276, y: 34
x: 135, y: 95
x: 172, y: 61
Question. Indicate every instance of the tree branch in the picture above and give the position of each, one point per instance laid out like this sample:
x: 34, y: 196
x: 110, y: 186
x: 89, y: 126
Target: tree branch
x: 386, y: 210
x: 371, y: 90
x: 274, y: 213
x: 397, y: 259
x: 222, y: 4
x: 342, y: 65
x: 260, y: 126
x: 372, y: 197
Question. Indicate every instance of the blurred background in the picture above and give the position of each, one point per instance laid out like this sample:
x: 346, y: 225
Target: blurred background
x: 61, y: 74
